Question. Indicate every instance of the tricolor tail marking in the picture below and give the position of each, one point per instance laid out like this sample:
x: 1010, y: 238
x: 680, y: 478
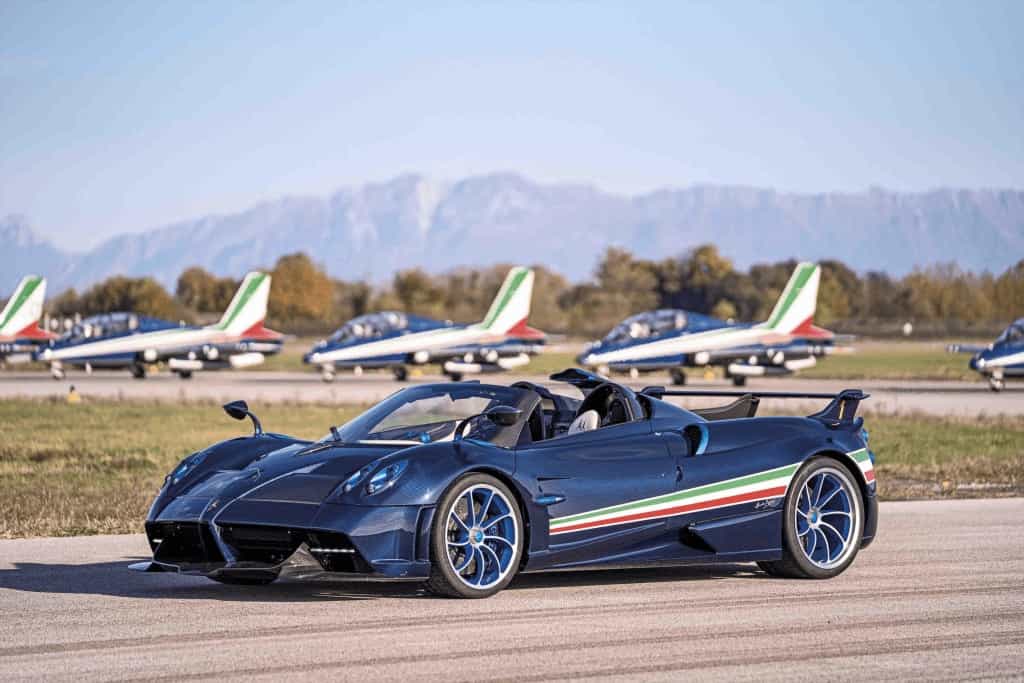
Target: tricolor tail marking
x: 795, y: 307
x: 24, y: 308
x: 248, y: 308
x: 511, y: 307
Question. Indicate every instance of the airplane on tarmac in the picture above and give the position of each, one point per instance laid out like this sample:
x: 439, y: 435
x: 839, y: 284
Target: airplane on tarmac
x: 127, y: 340
x: 20, y: 334
x: 1001, y: 359
x: 671, y: 339
x: 395, y: 340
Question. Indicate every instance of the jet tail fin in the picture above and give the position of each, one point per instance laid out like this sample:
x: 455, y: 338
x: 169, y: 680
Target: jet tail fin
x: 794, y: 311
x: 24, y: 309
x: 248, y: 308
x: 511, y: 306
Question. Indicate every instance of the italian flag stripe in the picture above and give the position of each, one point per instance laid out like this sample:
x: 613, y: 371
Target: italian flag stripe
x: 764, y: 485
x: 863, y: 460
x: 677, y: 510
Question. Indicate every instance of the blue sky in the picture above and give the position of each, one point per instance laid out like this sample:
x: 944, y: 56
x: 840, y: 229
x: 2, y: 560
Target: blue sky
x: 124, y: 116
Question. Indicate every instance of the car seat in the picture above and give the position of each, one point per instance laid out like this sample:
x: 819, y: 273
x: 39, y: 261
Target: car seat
x: 584, y: 422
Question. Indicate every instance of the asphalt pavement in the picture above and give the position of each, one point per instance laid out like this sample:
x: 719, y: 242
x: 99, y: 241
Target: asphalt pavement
x: 939, y: 596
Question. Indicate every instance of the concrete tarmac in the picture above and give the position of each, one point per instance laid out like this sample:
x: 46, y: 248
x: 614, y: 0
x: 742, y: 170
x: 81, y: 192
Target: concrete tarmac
x: 963, y: 399
x: 939, y: 596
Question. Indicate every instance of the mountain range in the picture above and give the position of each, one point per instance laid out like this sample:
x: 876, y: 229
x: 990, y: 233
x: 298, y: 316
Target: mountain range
x: 372, y: 230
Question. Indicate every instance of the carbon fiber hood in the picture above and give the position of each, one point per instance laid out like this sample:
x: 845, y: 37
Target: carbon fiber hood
x: 297, y: 473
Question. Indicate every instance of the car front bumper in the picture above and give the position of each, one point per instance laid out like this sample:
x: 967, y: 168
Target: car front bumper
x: 298, y: 539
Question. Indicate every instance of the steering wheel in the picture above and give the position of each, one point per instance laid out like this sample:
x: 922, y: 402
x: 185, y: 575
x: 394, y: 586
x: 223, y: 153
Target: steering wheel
x: 607, y: 403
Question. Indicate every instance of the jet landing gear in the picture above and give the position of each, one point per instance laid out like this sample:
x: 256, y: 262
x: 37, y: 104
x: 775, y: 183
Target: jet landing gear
x: 678, y: 376
x: 138, y: 371
x: 737, y: 380
x: 400, y: 372
x: 996, y: 384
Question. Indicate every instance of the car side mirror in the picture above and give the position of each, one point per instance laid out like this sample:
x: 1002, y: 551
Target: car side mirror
x: 504, y: 416
x: 240, y: 410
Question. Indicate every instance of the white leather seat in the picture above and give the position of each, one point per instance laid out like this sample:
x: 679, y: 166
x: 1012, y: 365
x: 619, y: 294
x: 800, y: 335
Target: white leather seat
x: 585, y: 422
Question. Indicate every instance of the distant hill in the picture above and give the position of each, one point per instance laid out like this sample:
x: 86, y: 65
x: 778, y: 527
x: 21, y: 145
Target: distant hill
x: 372, y: 230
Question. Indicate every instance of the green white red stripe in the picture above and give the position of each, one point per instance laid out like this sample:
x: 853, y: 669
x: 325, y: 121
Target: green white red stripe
x: 746, y: 489
x: 863, y: 460
x: 749, y: 488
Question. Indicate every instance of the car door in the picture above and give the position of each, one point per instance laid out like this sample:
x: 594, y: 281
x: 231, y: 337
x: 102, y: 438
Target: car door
x: 579, y: 477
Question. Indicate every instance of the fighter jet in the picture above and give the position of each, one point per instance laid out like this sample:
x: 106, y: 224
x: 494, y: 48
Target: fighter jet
x: 1001, y: 359
x: 671, y: 339
x: 128, y: 340
x: 395, y: 340
x: 20, y: 334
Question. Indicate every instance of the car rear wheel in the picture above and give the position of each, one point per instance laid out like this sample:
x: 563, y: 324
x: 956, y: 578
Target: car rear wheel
x: 823, y: 522
x: 476, y: 539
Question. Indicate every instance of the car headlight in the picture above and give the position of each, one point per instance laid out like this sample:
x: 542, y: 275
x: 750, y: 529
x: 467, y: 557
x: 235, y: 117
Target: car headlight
x: 184, y: 467
x: 356, y: 477
x: 385, y: 477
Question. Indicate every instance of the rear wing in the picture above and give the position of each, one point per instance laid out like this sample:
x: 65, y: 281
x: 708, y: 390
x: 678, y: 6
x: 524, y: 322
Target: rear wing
x: 842, y: 407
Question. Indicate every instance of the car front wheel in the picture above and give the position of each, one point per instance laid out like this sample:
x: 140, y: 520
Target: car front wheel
x: 476, y: 539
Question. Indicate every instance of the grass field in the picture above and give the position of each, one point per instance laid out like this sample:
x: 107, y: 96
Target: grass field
x: 94, y: 468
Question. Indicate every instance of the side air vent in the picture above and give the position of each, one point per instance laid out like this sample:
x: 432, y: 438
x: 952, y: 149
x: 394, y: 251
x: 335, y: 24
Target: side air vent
x: 688, y: 538
x: 697, y: 438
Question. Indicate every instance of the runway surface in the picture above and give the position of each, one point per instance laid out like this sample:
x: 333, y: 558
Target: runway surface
x: 939, y: 596
x: 966, y: 399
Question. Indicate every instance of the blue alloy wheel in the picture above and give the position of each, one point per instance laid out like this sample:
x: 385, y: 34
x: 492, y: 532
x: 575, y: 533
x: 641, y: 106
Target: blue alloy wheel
x: 482, y: 536
x: 825, y: 521
x: 476, y: 539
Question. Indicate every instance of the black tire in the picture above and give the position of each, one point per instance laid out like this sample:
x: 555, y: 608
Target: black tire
x: 400, y: 373
x: 138, y: 371
x: 455, y: 376
x: 185, y: 374
x: 739, y: 380
x: 794, y: 563
x: 235, y: 580
x: 678, y: 376
x: 444, y: 580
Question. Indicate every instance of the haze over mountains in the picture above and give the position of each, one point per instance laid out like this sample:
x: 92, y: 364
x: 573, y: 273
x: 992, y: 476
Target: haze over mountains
x: 373, y: 230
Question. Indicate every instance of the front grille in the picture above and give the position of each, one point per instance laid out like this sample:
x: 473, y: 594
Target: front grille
x: 265, y: 544
x: 182, y: 543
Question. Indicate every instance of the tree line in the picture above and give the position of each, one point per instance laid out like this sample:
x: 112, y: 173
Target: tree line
x: 306, y: 300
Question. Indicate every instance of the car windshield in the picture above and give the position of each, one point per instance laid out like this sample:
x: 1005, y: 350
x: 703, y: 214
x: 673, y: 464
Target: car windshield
x: 644, y: 325
x: 431, y: 413
x: 370, y: 326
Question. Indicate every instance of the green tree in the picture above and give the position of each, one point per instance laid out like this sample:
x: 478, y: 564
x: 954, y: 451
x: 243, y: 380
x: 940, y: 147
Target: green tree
x: 300, y: 291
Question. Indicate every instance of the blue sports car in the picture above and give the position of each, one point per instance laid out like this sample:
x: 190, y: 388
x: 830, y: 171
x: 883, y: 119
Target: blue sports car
x: 462, y: 485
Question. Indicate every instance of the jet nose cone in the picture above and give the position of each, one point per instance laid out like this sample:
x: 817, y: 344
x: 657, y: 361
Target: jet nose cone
x: 44, y: 354
x: 585, y: 358
x: 311, y: 358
